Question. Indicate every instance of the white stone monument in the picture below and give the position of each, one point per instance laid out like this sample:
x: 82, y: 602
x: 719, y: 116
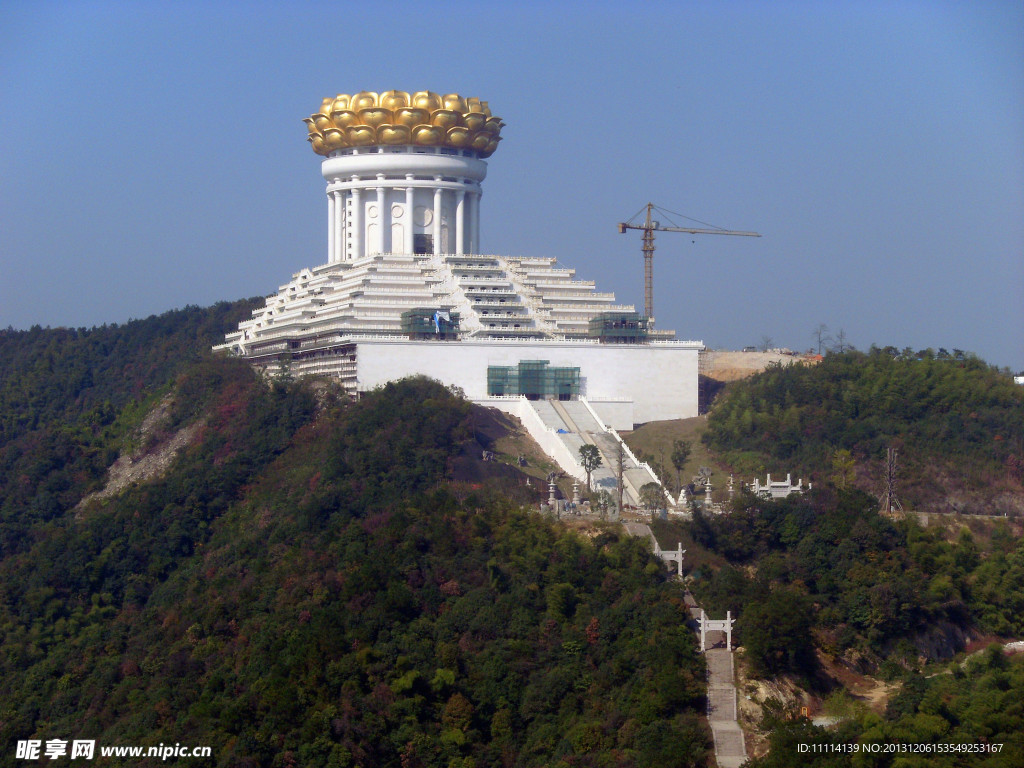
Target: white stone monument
x: 711, y: 625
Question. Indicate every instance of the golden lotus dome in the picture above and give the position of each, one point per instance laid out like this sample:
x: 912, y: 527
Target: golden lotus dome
x: 423, y: 118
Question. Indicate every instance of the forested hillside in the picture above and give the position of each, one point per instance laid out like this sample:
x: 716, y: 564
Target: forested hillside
x: 957, y: 423
x: 305, y: 586
x: 309, y: 582
x: 69, y: 396
x: 826, y: 570
x: 67, y: 374
x: 969, y: 714
x: 827, y: 591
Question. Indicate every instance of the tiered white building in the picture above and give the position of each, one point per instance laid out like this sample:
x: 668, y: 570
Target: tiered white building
x: 406, y: 291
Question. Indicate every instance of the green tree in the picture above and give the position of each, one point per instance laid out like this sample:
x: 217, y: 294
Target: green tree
x: 777, y: 633
x: 681, y: 450
x: 590, y: 459
x: 458, y: 713
x: 843, y: 467
x: 561, y: 600
x: 652, y: 497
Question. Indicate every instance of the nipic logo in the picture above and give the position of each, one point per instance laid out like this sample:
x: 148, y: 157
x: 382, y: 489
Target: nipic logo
x: 30, y: 749
x: 34, y: 749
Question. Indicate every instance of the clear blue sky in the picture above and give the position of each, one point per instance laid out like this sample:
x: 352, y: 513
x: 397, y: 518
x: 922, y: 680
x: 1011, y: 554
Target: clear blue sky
x: 152, y: 155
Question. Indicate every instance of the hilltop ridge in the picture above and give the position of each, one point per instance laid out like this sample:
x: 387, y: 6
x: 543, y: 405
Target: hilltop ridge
x: 957, y: 423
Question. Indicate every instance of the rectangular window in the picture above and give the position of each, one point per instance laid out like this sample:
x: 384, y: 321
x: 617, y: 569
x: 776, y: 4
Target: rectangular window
x: 422, y: 243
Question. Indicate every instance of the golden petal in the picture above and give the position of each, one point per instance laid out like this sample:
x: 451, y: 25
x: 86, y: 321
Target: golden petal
x: 454, y: 102
x: 481, y: 140
x: 393, y: 134
x: 411, y: 116
x: 334, y: 139
x: 493, y: 125
x: 343, y: 118
x: 363, y: 100
x: 394, y: 99
x: 375, y: 116
x: 426, y: 100
x: 474, y: 120
x: 459, y: 136
x: 445, y: 118
x: 361, y: 135
x: 394, y: 118
x: 427, y: 135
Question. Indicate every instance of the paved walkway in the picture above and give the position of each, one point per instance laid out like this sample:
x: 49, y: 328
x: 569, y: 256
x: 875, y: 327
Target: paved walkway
x: 723, y: 706
x: 643, y: 531
x: 730, y: 750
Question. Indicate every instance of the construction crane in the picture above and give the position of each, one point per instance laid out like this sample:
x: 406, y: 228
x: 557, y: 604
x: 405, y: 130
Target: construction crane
x: 649, y: 227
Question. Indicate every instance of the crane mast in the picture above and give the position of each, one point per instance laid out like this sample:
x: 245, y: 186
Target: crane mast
x: 649, y: 227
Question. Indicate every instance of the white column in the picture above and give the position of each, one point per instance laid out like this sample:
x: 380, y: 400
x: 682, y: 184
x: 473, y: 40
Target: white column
x: 331, y: 233
x: 357, y: 221
x: 437, y: 217
x: 460, y: 221
x: 409, y: 222
x: 703, y: 619
x: 343, y: 226
x: 339, y: 226
x: 384, y: 216
x: 728, y: 630
x: 474, y: 222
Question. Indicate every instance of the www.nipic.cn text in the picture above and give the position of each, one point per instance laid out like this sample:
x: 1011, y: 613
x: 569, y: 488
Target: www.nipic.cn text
x: 85, y: 749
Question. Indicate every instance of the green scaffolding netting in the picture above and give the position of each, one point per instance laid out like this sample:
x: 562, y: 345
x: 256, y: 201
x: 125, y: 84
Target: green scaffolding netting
x: 535, y: 379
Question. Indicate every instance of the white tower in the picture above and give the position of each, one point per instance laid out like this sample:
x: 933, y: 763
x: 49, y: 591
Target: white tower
x: 403, y: 172
x: 405, y: 289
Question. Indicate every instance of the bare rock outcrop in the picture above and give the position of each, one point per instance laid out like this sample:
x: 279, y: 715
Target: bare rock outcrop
x: 157, y: 449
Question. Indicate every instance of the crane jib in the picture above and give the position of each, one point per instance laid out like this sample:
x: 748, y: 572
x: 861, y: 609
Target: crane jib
x: 649, y: 227
x: 624, y: 227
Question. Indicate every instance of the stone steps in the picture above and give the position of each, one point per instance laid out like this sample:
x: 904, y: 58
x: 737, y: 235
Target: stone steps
x: 730, y: 748
x: 730, y: 745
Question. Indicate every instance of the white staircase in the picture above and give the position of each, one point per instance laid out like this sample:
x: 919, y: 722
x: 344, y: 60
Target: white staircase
x: 575, y: 424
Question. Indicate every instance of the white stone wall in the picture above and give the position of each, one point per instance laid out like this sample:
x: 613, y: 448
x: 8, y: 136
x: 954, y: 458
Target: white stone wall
x: 615, y: 414
x: 660, y: 379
